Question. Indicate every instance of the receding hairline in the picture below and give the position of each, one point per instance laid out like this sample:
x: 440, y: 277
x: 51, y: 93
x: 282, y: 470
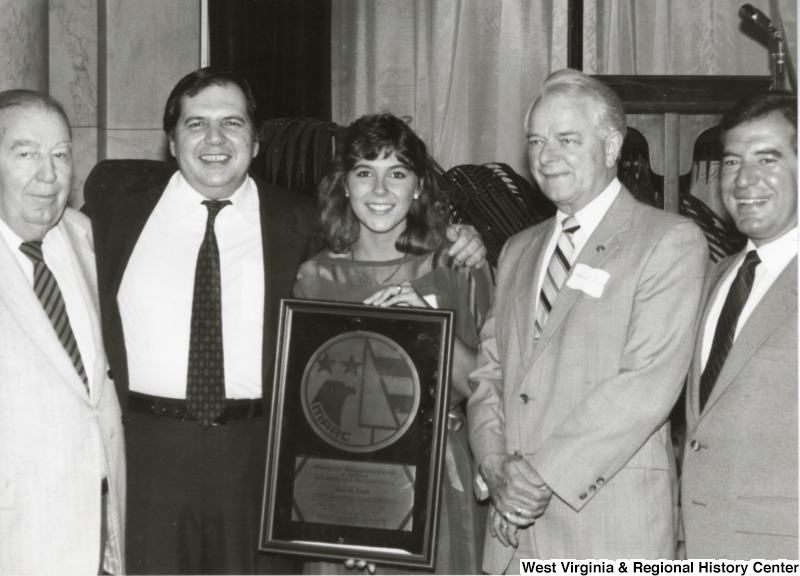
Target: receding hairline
x: 776, y: 114
x: 596, y: 115
x: 38, y: 105
x: 22, y: 98
x: 609, y: 110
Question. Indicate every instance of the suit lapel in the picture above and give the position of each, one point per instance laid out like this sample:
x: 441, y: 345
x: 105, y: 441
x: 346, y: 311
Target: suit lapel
x: 279, y: 239
x: 130, y: 216
x: 769, y: 313
x: 527, y: 275
x: 25, y: 306
x: 81, y: 256
x: 711, y: 291
x: 598, y: 249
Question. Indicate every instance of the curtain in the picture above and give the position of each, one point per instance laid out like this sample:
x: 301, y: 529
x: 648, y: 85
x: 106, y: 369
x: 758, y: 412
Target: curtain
x: 680, y: 36
x: 282, y: 48
x: 465, y: 71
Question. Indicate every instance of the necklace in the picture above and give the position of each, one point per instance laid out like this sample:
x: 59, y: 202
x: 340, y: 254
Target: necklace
x: 373, y: 282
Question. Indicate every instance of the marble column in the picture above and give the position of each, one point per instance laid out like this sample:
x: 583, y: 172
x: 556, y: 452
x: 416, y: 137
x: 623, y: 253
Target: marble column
x: 23, y: 44
x: 112, y: 64
x: 73, y: 57
x: 149, y: 46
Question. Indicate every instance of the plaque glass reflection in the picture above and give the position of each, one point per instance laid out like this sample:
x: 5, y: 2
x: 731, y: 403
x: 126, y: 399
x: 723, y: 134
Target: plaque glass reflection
x: 357, y: 432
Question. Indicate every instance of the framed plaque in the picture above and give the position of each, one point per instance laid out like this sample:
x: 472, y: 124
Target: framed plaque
x: 357, y: 431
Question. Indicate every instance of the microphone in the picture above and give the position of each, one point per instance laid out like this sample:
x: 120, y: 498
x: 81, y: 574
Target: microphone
x: 757, y: 17
x: 777, y: 54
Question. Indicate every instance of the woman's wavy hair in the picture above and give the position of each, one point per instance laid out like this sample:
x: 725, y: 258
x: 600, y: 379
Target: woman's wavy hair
x: 368, y: 138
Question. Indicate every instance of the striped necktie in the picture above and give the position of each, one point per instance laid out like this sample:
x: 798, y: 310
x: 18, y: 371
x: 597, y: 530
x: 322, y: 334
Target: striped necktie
x: 557, y: 272
x: 726, y: 325
x: 205, y: 385
x: 49, y: 294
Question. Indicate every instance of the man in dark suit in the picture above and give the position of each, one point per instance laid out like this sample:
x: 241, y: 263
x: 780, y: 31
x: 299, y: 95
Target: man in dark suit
x: 191, y: 269
x: 739, y: 486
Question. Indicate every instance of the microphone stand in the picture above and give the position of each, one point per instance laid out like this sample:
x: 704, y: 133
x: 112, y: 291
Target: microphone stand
x: 777, y: 55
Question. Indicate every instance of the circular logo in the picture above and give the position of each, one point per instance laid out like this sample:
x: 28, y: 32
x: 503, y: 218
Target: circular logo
x: 360, y: 391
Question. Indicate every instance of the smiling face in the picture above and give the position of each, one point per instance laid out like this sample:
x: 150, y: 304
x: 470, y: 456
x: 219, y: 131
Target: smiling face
x: 381, y: 193
x: 759, y: 177
x: 214, y: 140
x: 35, y: 169
x: 569, y: 157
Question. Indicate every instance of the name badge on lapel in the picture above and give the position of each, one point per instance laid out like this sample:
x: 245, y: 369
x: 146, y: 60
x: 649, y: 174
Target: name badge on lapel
x: 588, y: 280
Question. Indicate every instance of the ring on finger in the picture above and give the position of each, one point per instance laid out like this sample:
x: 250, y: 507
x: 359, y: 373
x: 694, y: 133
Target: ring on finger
x: 398, y: 289
x: 518, y: 511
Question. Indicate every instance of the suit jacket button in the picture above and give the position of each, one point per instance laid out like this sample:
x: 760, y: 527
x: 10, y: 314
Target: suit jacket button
x: 110, y: 375
x: 694, y: 445
x: 582, y: 496
x: 601, y: 249
x: 523, y: 398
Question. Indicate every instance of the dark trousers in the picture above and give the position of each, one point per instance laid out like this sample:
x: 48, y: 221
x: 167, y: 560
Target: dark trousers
x: 195, y: 497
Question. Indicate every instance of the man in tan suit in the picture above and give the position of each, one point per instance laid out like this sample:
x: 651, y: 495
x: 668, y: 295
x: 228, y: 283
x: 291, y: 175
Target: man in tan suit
x: 585, y: 350
x: 739, y: 486
x: 62, y: 472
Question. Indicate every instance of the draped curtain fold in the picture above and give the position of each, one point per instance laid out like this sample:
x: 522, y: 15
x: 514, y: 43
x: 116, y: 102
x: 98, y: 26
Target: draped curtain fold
x: 465, y: 71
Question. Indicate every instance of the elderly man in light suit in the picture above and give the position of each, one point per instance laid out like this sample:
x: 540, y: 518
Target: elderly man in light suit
x: 585, y: 350
x: 62, y: 472
x: 739, y: 486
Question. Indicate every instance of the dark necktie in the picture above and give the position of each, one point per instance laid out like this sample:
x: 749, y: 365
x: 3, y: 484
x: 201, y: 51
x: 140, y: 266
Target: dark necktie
x: 726, y: 325
x: 205, y: 387
x: 557, y: 271
x: 49, y: 294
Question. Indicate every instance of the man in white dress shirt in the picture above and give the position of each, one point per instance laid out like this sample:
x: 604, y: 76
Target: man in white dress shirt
x: 192, y: 264
x: 739, y: 486
x: 62, y: 468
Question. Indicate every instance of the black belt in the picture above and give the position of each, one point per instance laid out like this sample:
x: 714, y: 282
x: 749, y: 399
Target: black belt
x: 235, y: 410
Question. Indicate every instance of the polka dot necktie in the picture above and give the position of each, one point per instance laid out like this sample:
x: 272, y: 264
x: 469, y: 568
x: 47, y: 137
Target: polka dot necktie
x: 49, y: 294
x: 557, y: 272
x: 726, y: 325
x: 205, y: 385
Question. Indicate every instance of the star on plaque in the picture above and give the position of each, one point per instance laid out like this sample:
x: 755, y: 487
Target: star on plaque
x: 351, y: 366
x: 369, y: 396
x: 325, y: 363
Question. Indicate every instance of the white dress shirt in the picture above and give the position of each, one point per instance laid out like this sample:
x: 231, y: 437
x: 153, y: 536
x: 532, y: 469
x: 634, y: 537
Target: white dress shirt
x: 155, y: 297
x: 588, y: 218
x: 60, y: 262
x: 774, y: 257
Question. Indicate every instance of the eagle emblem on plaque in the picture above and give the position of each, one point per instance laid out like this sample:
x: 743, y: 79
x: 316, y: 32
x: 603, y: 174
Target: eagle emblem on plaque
x: 360, y: 391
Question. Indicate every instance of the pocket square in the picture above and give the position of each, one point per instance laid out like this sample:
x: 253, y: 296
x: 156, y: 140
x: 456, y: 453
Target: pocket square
x: 588, y: 280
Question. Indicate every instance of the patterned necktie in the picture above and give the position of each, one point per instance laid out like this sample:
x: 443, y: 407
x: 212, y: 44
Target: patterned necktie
x: 726, y: 325
x: 205, y: 385
x: 557, y: 272
x: 49, y: 294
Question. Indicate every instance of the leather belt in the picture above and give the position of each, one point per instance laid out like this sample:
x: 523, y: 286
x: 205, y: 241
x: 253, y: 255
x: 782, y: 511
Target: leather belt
x: 235, y: 410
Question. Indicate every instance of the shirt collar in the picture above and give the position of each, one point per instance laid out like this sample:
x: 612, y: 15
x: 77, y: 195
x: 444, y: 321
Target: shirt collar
x: 182, y: 200
x: 14, y: 241
x: 589, y: 216
x: 775, y: 255
x: 9, y: 236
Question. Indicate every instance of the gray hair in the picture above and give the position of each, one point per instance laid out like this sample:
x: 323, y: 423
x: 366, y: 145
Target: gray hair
x: 610, y: 110
x: 30, y: 99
